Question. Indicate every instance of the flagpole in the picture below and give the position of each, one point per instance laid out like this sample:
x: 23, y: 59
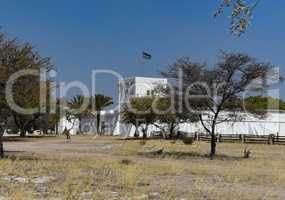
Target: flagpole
x: 145, y: 56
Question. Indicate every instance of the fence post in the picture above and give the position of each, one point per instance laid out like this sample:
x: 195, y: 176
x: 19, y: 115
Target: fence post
x: 219, y: 138
x: 271, y: 139
x: 243, y: 138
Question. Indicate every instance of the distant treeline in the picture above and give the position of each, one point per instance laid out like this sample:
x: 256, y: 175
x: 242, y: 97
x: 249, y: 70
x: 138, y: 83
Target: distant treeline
x: 263, y: 102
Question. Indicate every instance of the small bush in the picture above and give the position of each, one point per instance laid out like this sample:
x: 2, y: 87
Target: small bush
x: 188, y: 140
x: 126, y: 162
x: 143, y: 142
x: 173, y: 142
x: 246, y: 153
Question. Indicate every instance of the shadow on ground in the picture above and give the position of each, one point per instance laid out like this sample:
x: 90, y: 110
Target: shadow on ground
x: 23, y: 139
x: 185, y: 155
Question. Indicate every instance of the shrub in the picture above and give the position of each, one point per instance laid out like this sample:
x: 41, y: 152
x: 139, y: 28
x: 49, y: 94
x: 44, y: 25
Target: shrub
x: 188, y: 140
x: 143, y: 142
x: 126, y: 162
x: 246, y: 153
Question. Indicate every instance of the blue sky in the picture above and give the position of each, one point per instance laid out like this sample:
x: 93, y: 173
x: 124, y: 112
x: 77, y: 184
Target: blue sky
x: 111, y: 34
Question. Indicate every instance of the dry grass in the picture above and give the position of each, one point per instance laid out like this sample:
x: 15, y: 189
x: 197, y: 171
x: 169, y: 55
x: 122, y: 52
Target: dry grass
x: 127, y: 169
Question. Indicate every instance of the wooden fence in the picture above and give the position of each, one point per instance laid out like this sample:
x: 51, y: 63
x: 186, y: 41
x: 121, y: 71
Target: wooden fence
x: 254, y: 139
x: 279, y: 140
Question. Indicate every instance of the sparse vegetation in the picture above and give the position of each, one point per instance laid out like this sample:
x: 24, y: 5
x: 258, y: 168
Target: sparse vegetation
x: 109, y: 168
x: 246, y: 153
x: 209, y: 92
x: 188, y: 140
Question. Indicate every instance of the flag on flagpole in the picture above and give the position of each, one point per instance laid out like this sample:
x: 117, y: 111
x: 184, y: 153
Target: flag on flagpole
x: 146, y: 56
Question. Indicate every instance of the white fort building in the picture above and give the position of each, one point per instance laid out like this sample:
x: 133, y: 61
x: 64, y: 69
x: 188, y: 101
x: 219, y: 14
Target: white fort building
x: 112, y: 124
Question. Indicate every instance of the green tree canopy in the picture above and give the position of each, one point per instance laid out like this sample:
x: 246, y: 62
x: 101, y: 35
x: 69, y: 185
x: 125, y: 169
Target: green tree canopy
x: 14, y: 57
x: 209, y: 91
x: 139, y: 112
x: 79, y: 107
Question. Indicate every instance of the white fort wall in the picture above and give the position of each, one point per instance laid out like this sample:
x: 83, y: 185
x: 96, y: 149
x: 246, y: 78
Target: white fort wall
x: 274, y: 123
x: 89, y: 124
x: 71, y: 125
x: 144, y: 86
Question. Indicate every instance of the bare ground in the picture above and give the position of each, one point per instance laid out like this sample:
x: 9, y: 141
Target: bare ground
x: 180, y: 172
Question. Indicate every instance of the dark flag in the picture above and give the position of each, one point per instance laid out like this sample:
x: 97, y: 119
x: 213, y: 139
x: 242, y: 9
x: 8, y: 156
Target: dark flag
x: 146, y: 56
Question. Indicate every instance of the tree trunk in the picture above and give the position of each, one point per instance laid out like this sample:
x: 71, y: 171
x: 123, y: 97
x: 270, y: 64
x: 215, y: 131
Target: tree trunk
x: 136, y: 132
x: 213, y: 136
x: 144, y: 135
x: 20, y: 126
x: 213, y: 145
x: 171, y: 131
x: 1, y: 148
x: 56, y: 129
x: 144, y: 130
x: 98, y: 122
x: 1, y: 143
x: 22, y: 132
x: 213, y: 142
x: 79, y: 127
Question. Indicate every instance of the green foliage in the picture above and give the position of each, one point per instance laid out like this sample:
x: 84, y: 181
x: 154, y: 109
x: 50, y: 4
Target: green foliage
x: 102, y: 101
x: 139, y: 108
x: 264, y: 103
x: 169, y: 114
x: 188, y: 140
x: 79, y: 106
x: 16, y: 56
x: 140, y: 113
x: 220, y: 88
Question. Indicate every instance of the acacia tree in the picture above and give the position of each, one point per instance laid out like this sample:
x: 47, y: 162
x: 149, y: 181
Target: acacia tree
x: 210, y: 91
x: 241, y: 14
x: 130, y: 118
x: 100, y: 102
x: 139, y: 112
x: 3, y: 106
x: 14, y: 57
x: 168, y: 118
x: 4, y: 113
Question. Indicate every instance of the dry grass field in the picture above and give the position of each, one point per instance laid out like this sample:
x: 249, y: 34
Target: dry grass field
x: 110, y: 168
